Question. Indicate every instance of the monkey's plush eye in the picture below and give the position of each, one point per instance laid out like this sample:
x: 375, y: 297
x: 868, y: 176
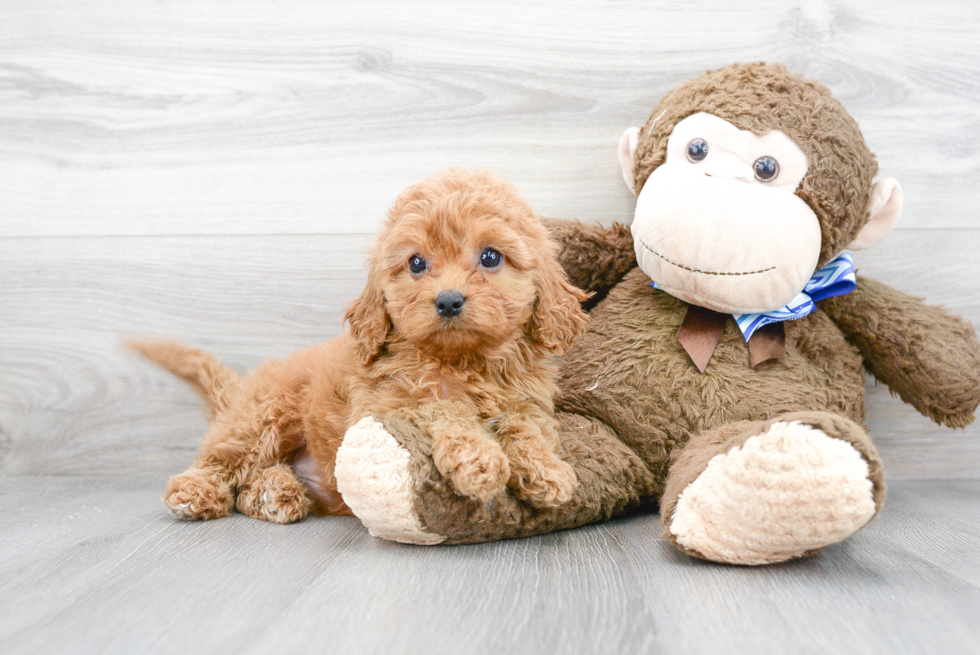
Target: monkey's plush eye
x: 697, y: 150
x: 491, y: 258
x: 417, y: 265
x: 766, y: 169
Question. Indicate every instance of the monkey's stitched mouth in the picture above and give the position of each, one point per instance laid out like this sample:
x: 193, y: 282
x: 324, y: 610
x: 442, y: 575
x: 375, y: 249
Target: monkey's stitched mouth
x: 695, y: 270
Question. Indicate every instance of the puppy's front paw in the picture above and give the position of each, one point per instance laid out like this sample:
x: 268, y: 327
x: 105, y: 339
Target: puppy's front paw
x: 544, y: 483
x: 196, y: 494
x: 477, y: 467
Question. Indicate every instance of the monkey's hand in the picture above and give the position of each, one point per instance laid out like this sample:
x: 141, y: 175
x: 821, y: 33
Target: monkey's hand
x: 595, y: 257
x: 929, y: 357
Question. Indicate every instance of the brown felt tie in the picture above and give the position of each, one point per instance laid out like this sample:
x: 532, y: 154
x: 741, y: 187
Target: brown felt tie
x: 767, y: 342
x: 700, y: 332
x: 702, y: 328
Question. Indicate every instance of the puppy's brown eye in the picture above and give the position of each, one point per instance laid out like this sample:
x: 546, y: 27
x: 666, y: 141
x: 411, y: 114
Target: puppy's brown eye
x: 697, y: 150
x: 417, y: 265
x: 491, y: 258
x: 766, y: 169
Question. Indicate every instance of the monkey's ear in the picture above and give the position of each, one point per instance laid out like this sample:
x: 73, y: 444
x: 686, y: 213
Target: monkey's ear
x: 627, y: 149
x: 884, y: 208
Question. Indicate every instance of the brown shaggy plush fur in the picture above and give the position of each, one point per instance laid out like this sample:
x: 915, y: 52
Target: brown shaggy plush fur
x: 585, y: 252
x: 492, y: 365
x: 917, y: 350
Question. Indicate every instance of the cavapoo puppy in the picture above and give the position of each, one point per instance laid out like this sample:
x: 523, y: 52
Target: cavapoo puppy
x: 464, y: 308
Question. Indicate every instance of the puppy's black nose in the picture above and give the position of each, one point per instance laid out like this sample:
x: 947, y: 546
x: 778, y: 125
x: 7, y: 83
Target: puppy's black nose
x: 449, y: 303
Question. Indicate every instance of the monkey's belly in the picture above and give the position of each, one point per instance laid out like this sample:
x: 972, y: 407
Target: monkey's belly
x: 630, y: 371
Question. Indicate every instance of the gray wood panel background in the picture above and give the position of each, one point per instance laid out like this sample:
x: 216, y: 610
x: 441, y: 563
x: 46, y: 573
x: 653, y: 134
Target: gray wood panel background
x: 213, y: 170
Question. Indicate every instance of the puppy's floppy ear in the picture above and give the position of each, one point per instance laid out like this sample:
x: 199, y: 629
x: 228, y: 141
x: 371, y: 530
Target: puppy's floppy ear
x: 558, y: 318
x: 369, y: 320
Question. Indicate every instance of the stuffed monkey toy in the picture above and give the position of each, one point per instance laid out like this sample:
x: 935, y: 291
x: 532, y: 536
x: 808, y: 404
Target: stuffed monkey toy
x: 721, y: 375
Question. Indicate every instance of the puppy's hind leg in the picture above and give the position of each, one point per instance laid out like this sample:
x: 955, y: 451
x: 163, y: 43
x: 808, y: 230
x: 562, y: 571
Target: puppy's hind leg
x: 243, y: 453
x: 199, y: 493
x: 273, y: 494
x: 203, y: 491
x: 207, y: 489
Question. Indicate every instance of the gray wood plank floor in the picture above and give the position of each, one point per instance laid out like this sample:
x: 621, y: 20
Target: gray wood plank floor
x: 213, y: 170
x: 95, y: 565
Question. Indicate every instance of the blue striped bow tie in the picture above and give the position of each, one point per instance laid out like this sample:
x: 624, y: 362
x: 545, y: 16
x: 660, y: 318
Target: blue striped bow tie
x: 835, y: 278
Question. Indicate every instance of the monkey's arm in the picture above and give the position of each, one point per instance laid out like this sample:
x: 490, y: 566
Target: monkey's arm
x: 929, y: 357
x: 595, y: 257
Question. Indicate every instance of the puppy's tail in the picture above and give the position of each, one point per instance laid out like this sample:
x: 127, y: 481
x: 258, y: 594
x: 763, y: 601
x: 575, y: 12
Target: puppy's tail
x: 212, y: 380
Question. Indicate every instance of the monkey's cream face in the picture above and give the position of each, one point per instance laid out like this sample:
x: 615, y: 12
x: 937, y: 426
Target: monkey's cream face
x: 719, y: 223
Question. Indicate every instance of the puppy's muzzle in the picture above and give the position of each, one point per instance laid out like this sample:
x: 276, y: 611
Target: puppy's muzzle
x: 450, y: 303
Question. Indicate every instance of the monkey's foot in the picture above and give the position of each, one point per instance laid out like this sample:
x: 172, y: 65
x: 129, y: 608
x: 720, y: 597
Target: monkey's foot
x: 785, y: 490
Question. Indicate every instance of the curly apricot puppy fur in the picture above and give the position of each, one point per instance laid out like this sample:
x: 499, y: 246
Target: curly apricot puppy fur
x: 464, y: 308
